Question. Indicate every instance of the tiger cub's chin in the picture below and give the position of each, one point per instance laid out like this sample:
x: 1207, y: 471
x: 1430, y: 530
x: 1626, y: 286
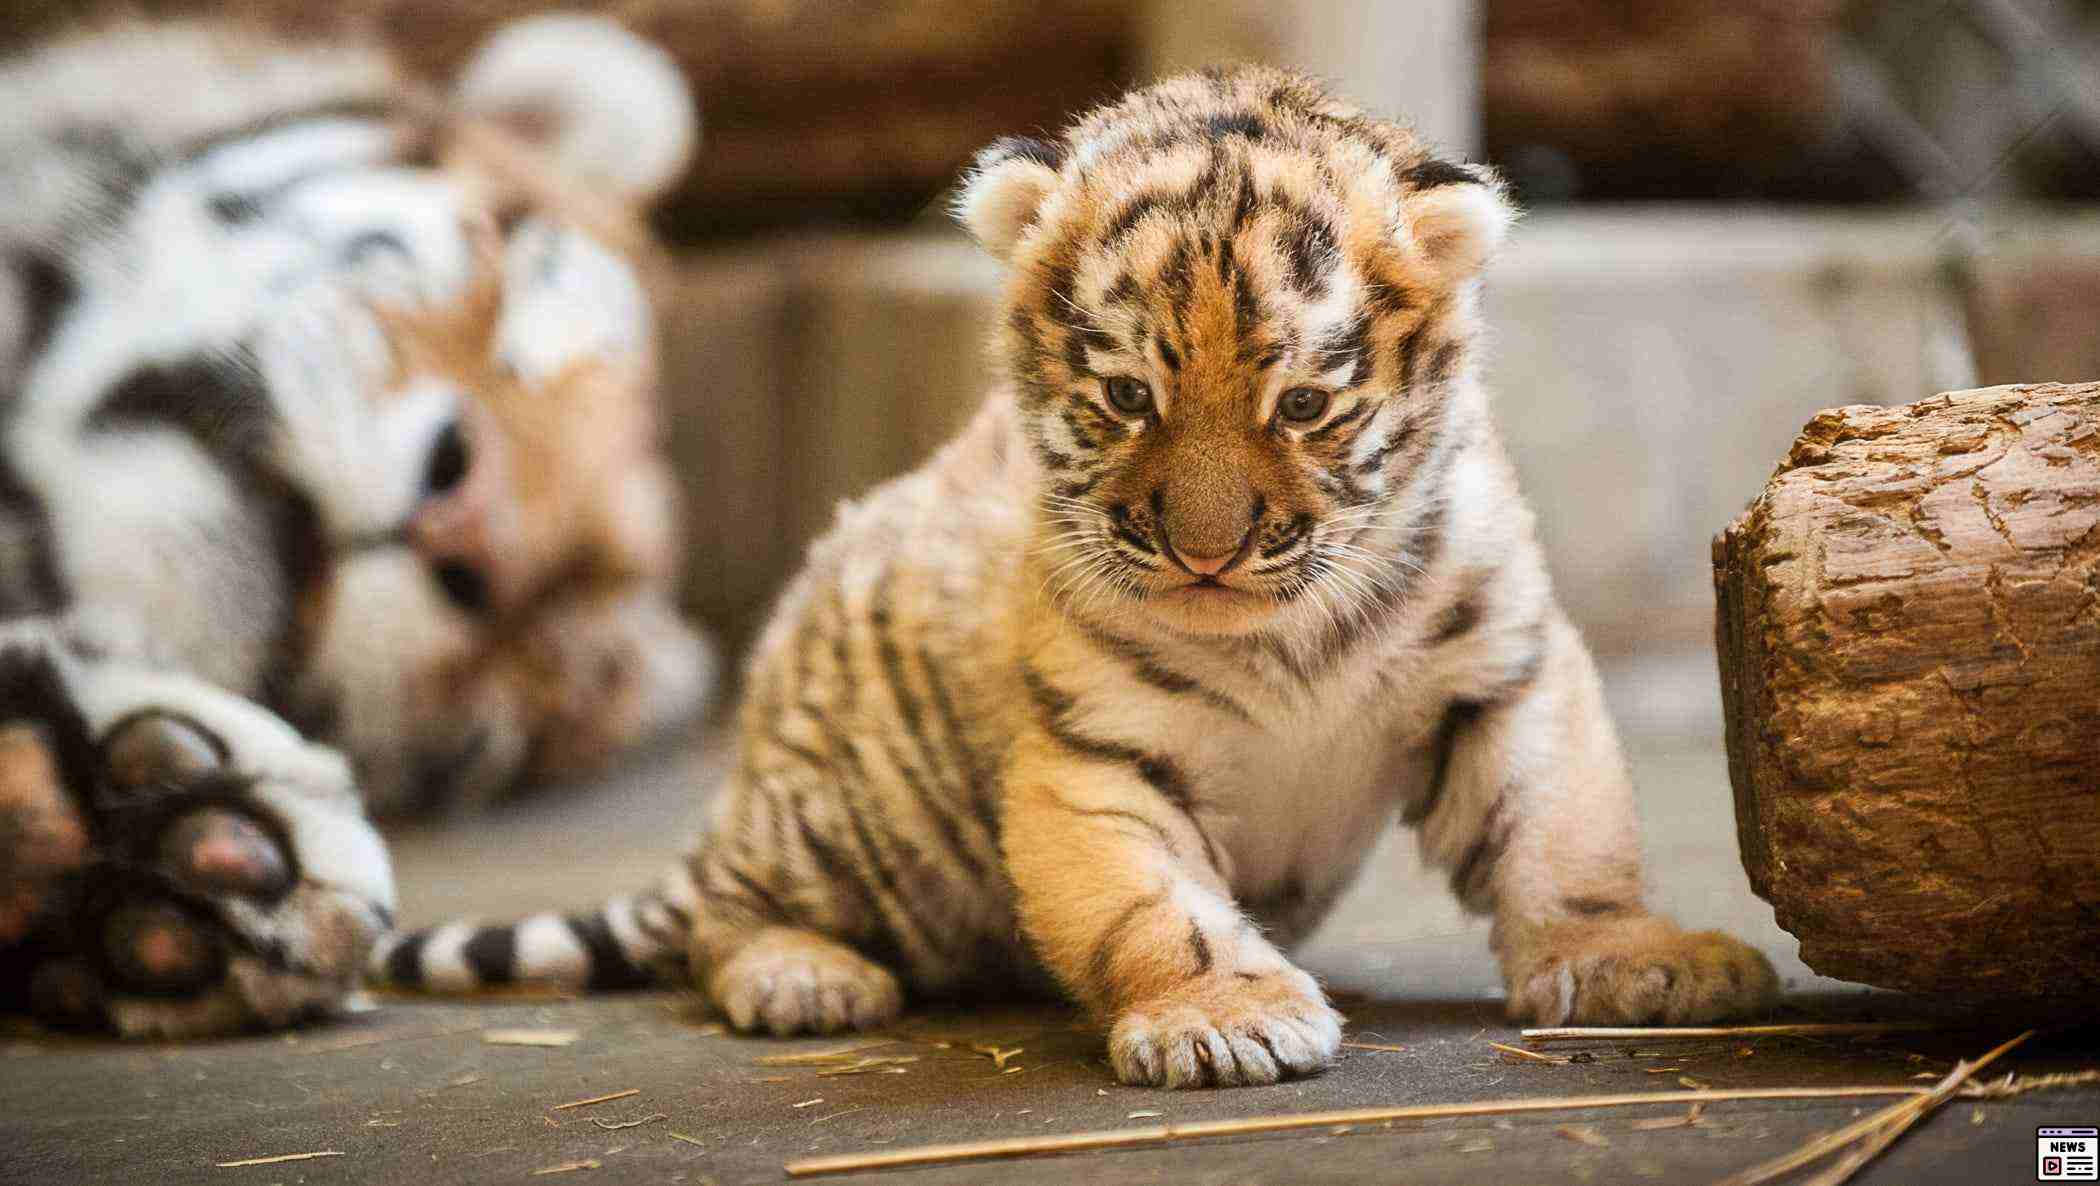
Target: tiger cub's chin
x: 1123, y: 685
x: 1205, y: 609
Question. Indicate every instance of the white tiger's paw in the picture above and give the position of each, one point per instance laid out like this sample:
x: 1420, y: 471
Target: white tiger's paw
x: 1640, y: 971
x: 1227, y: 1031
x: 788, y: 981
x: 194, y: 868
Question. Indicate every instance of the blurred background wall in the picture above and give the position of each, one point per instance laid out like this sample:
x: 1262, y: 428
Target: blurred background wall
x: 1741, y: 211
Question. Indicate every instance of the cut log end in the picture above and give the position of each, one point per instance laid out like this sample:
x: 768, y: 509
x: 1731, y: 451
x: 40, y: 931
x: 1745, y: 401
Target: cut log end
x: 1908, y: 622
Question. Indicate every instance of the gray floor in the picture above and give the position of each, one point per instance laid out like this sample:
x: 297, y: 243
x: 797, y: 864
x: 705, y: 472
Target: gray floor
x: 412, y: 1092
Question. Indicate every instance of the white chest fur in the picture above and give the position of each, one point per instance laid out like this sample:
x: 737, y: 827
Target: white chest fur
x: 1292, y: 779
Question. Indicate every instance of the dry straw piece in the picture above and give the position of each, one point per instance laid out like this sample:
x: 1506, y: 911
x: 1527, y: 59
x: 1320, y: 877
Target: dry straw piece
x: 280, y: 1159
x: 569, y: 1167
x: 1874, y: 1134
x: 617, y: 1125
x: 820, y: 1057
x: 549, y: 1038
x: 596, y: 1099
x: 1519, y: 1053
x: 1686, y: 1033
x: 845, y: 1163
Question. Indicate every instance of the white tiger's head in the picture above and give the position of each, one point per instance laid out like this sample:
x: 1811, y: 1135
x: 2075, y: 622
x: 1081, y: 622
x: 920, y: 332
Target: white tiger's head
x: 358, y: 381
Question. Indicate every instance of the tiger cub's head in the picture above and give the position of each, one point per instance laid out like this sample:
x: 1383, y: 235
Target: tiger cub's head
x: 1237, y: 321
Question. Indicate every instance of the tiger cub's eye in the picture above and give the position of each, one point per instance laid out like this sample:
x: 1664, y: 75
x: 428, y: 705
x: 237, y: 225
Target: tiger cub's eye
x: 1127, y: 395
x: 1301, y: 404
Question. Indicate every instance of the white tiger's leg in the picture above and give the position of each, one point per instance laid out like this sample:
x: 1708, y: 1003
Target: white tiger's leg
x: 189, y: 864
x: 1533, y: 815
x: 1123, y: 902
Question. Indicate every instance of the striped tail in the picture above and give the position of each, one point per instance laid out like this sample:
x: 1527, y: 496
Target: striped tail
x: 629, y: 942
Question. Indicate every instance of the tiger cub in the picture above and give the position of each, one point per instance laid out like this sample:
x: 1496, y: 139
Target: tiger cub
x: 1123, y: 685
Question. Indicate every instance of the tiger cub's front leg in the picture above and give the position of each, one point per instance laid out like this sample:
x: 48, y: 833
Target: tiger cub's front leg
x: 1533, y: 816
x: 1120, y: 896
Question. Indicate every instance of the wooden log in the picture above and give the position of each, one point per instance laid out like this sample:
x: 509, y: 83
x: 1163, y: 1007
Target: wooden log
x: 1909, y: 634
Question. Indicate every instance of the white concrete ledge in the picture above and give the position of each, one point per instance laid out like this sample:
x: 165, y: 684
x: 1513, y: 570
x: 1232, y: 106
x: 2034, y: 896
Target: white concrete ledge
x: 1650, y: 366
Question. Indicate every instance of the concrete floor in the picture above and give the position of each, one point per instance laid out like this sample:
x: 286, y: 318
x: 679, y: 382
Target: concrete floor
x: 411, y: 1092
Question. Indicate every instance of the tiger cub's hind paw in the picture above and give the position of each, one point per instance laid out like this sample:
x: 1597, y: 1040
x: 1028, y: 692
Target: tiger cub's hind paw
x: 788, y: 981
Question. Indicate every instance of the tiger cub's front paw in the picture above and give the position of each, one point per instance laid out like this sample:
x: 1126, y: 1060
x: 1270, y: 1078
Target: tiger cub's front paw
x: 1227, y: 1031
x: 1639, y: 971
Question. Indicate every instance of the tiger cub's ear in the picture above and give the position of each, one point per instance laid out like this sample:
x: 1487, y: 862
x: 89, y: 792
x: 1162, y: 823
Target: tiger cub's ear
x: 1456, y: 216
x: 610, y: 107
x: 1005, y: 188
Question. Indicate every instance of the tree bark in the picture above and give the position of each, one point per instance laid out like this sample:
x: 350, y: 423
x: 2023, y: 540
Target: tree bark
x: 1908, y: 621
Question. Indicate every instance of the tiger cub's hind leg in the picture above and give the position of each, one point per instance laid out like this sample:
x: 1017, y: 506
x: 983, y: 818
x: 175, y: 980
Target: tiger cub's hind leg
x: 755, y: 950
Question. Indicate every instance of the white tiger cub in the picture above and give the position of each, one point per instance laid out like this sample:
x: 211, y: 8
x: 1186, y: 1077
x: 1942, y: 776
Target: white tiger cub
x: 1123, y: 685
x: 327, y: 423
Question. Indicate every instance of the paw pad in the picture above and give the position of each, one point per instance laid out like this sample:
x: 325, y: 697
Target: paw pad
x: 156, y: 948
x: 42, y: 834
x: 152, y: 747
x: 219, y: 850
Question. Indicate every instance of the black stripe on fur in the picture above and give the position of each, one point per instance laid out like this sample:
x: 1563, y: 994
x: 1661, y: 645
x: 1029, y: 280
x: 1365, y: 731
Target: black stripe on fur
x: 1459, y: 716
x: 1149, y: 670
x: 492, y: 955
x: 1160, y: 773
x: 404, y: 964
x: 31, y: 583
x: 1151, y: 827
x: 610, y: 967
x: 222, y: 406
x: 1101, y: 963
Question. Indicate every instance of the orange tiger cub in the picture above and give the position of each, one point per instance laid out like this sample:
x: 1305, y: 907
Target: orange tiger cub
x: 1119, y: 689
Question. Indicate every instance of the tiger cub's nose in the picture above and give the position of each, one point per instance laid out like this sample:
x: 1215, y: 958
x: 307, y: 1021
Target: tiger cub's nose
x: 1210, y: 566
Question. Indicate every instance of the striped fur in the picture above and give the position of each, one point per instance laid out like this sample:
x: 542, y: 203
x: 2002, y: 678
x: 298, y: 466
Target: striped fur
x: 1121, y: 686
x: 332, y: 393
